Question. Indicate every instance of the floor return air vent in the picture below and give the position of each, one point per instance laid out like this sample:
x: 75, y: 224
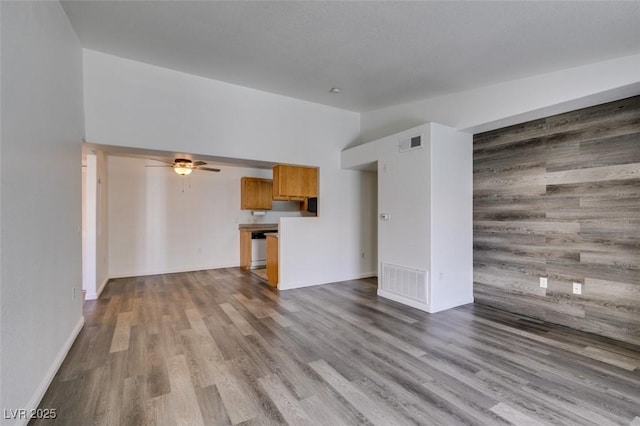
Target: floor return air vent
x: 405, y: 282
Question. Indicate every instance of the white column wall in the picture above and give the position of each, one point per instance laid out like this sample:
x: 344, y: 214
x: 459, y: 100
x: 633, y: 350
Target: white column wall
x: 41, y: 263
x: 427, y: 195
x: 102, y: 223
x: 89, y: 215
x: 451, y: 217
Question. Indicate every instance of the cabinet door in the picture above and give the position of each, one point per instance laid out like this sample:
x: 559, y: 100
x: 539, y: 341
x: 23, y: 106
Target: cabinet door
x: 248, y: 193
x: 294, y: 182
x: 245, y: 249
x: 265, y: 194
x: 279, y: 174
x: 255, y: 194
x: 309, y: 182
x: 288, y: 180
x: 277, y: 193
x: 272, y: 260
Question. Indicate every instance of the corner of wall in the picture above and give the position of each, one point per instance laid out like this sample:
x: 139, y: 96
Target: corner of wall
x: 41, y: 310
x: 54, y: 367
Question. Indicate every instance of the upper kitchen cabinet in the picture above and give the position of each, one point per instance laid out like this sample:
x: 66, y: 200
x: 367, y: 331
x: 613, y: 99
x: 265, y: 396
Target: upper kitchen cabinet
x: 295, y: 183
x: 255, y: 193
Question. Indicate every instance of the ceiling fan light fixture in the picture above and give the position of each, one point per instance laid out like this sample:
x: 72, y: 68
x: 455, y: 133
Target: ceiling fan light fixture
x: 183, y: 167
x: 183, y: 171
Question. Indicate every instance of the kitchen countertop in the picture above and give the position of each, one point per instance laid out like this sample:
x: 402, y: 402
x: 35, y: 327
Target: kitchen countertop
x: 258, y: 227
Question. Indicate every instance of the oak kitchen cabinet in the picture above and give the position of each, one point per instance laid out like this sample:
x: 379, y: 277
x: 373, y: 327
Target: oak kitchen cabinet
x: 246, y: 240
x: 255, y: 193
x: 245, y: 249
x: 272, y: 259
x: 294, y: 183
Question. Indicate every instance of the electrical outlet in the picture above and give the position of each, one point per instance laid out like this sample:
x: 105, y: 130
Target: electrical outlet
x: 577, y: 288
x: 543, y: 282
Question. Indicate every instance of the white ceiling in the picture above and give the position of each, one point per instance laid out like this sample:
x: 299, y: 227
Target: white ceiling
x: 378, y: 53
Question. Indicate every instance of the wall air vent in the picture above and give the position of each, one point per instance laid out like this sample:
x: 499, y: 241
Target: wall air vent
x: 410, y: 144
x: 405, y: 282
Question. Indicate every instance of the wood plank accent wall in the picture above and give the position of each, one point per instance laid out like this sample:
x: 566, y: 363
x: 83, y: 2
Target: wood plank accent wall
x: 559, y: 197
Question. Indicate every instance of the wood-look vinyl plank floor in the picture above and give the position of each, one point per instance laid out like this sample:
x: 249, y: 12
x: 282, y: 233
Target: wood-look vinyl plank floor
x: 221, y: 347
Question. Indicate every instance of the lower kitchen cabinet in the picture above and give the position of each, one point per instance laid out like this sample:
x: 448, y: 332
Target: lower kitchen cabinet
x: 272, y: 259
x: 245, y: 250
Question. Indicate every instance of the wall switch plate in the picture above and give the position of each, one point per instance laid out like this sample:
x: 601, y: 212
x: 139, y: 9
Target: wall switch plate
x: 543, y: 282
x: 577, y: 288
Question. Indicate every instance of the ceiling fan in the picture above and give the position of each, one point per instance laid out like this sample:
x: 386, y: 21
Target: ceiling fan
x: 184, y: 166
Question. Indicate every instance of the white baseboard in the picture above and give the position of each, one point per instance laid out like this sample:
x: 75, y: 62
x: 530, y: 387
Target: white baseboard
x: 281, y: 286
x: 366, y: 275
x: 291, y: 286
x: 454, y: 304
x: 94, y: 296
x: 169, y: 271
x: 404, y: 300
x: 104, y: 283
x: 432, y: 309
x: 55, y: 366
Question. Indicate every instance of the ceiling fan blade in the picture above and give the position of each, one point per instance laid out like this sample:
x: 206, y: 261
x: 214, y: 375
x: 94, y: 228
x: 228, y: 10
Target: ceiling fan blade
x: 199, y: 163
x: 157, y: 165
x: 208, y: 169
x: 162, y: 161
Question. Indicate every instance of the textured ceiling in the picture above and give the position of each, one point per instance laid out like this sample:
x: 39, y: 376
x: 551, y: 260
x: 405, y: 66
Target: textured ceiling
x: 378, y: 53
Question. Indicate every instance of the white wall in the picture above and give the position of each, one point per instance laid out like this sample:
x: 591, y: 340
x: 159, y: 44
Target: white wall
x: 95, y: 242
x: 102, y: 223
x: 405, y: 195
x: 451, y: 218
x: 304, y: 262
x: 427, y: 193
x: 42, y: 126
x: 160, y: 222
x: 89, y: 214
x: 512, y: 102
x: 132, y: 104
